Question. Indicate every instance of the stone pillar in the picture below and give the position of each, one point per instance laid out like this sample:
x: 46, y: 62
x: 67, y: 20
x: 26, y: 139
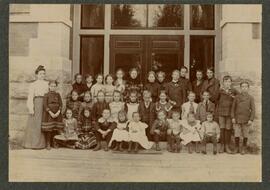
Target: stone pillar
x: 39, y: 35
x: 241, y: 53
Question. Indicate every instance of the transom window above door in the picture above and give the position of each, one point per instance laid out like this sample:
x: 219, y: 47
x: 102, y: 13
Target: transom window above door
x: 152, y: 16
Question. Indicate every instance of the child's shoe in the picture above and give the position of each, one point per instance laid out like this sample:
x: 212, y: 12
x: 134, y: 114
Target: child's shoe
x: 121, y: 147
x: 157, y: 147
x: 116, y: 146
x: 190, y: 148
x: 98, y: 147
x: 227, y: 149
x: 197, y: 147
x: 214, y: 152
x: 221, y: 149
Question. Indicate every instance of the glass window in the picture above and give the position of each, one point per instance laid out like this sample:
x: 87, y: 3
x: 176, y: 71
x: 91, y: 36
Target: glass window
x: 166, y: 62
x: 129, y: 16
x: 202, y: 17
x: 201, y: 53
x: 92, y: 54
x: 92, y: 16
x: 166, y: 15
x: 126, y: 61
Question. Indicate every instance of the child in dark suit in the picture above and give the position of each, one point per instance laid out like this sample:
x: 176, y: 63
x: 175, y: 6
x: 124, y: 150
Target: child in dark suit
x: 243, y: 112
x: 183, y: 80
x: 78, y: 86
x: 211, y: 84
x: 152, y: 86
x: 197, y: 85
x: 176, y: 92
x: 133, y: 84
x: 205, y: 106
x: 161, y: 81
x: 146, y: 111
x: 88, y: 83
x: 224, y: 106
x: 99, y: 106
x: 159, y: 128
x: 104, y: 129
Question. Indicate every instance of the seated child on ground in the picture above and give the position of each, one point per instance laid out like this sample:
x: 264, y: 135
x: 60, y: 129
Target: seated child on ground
x: 120, y: 134
x: 86, y: 130
x: 104, y: 129
x: 174, y: 131
x: 137, y: 134
x: 159, y: 129
x: 69, y: 135
x: 210, y: 132
x: 190, y: 133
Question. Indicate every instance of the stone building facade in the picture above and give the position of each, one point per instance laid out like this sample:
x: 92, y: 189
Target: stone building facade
x: 54, y: 36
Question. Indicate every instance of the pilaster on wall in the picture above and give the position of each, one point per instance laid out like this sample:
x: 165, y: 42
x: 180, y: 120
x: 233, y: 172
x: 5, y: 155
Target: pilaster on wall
x: 39, y: 35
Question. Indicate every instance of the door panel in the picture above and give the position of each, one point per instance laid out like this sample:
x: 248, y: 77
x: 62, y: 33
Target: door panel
x: 146, y: 53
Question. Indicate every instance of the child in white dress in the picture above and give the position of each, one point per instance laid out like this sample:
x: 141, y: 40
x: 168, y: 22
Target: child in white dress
x: 116, y: 105
x: 120, y: 134
x: 191, y: 132
x: 137, y: 134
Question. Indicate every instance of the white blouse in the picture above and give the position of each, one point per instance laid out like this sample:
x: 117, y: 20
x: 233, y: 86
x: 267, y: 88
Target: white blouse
x: 37, y: 88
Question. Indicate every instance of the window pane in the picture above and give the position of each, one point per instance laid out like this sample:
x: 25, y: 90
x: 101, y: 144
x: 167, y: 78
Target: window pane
x: 202, y: 17
x: 92, y: 16
x: 92, y: 54
x: 201, y: 53
x: 129, y: 16
x: 166, y: 62
x: 166, y: 15
x: 126, y: 61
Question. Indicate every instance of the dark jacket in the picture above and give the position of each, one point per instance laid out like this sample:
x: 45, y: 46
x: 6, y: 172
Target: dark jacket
x: 78, y: 87
x: 212, y: 86
x: 153, y: 88
x: 97, y: 110
x: 161, y: 86
x: 52, y: 101
x: 147, y: 114
x: 225, y: 101
x: 186, y: 83
x: 197, y: 89
x: 243, y: 108
x: 133, y: 85
x: 74, y: 106
x: 162, y: 126
x: 202, y: 109
x: 177, y: 93
x: 105, y: 125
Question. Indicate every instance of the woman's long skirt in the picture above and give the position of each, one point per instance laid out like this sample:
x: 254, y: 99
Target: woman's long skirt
x: 34, y: 138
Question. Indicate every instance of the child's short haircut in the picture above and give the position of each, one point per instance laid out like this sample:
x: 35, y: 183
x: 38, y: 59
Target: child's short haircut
x: 146, y: 92
x: 161, y: 111
x: 87, y: 92
x: 106, y: 109
x: 108, y: 75
x: 116, y: 92
x: 244, y: 82
x: 53, y: 82
x: 87, y: 76
x: 152, y: 73
x: 133, y: 69
x: 74, y: 91
x: 210, y: 113
x: 199, y: 71
x: 183, y: 67
x: 133, y: 92
x: 191, y: 92
x: 206, y: 92
x: 76, y: 75
x: 162, y: 92
x: 120, y: 70
x: 227, y: 77
x: 176, y: 71
x: 68, y: 109
x: 99, y: 75
x: 161, y: 73
x: 210, y: 69
x: 135, y: 113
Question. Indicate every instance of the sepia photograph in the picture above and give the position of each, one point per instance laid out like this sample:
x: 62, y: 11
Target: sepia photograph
x: 135, y: 93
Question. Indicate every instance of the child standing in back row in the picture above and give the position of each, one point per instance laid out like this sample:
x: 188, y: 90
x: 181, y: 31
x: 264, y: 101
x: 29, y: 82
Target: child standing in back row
x: 97, y: 87
x: 78, y: 86
x: 152, y: 86
x: 224, y: 106
x: 133, y: 84
x: 243, y: 112
x: 109, y: 88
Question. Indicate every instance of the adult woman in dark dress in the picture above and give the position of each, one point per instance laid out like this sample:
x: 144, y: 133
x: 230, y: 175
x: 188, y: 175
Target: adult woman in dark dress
x: 34, y: 138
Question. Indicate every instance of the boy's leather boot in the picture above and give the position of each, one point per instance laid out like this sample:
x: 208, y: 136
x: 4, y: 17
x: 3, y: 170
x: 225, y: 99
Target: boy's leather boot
x: 98, y: 147
x: 244, y: 148
x: 237, y: 148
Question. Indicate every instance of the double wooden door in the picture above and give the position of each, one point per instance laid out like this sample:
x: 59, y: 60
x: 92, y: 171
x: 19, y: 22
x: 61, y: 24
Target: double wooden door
x: 157, y: 53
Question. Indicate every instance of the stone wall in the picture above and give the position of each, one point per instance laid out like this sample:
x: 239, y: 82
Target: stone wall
x: 39, y: 35
x: 241, y: 54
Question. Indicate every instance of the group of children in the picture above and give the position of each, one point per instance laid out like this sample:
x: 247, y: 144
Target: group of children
x: 128, y: 115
